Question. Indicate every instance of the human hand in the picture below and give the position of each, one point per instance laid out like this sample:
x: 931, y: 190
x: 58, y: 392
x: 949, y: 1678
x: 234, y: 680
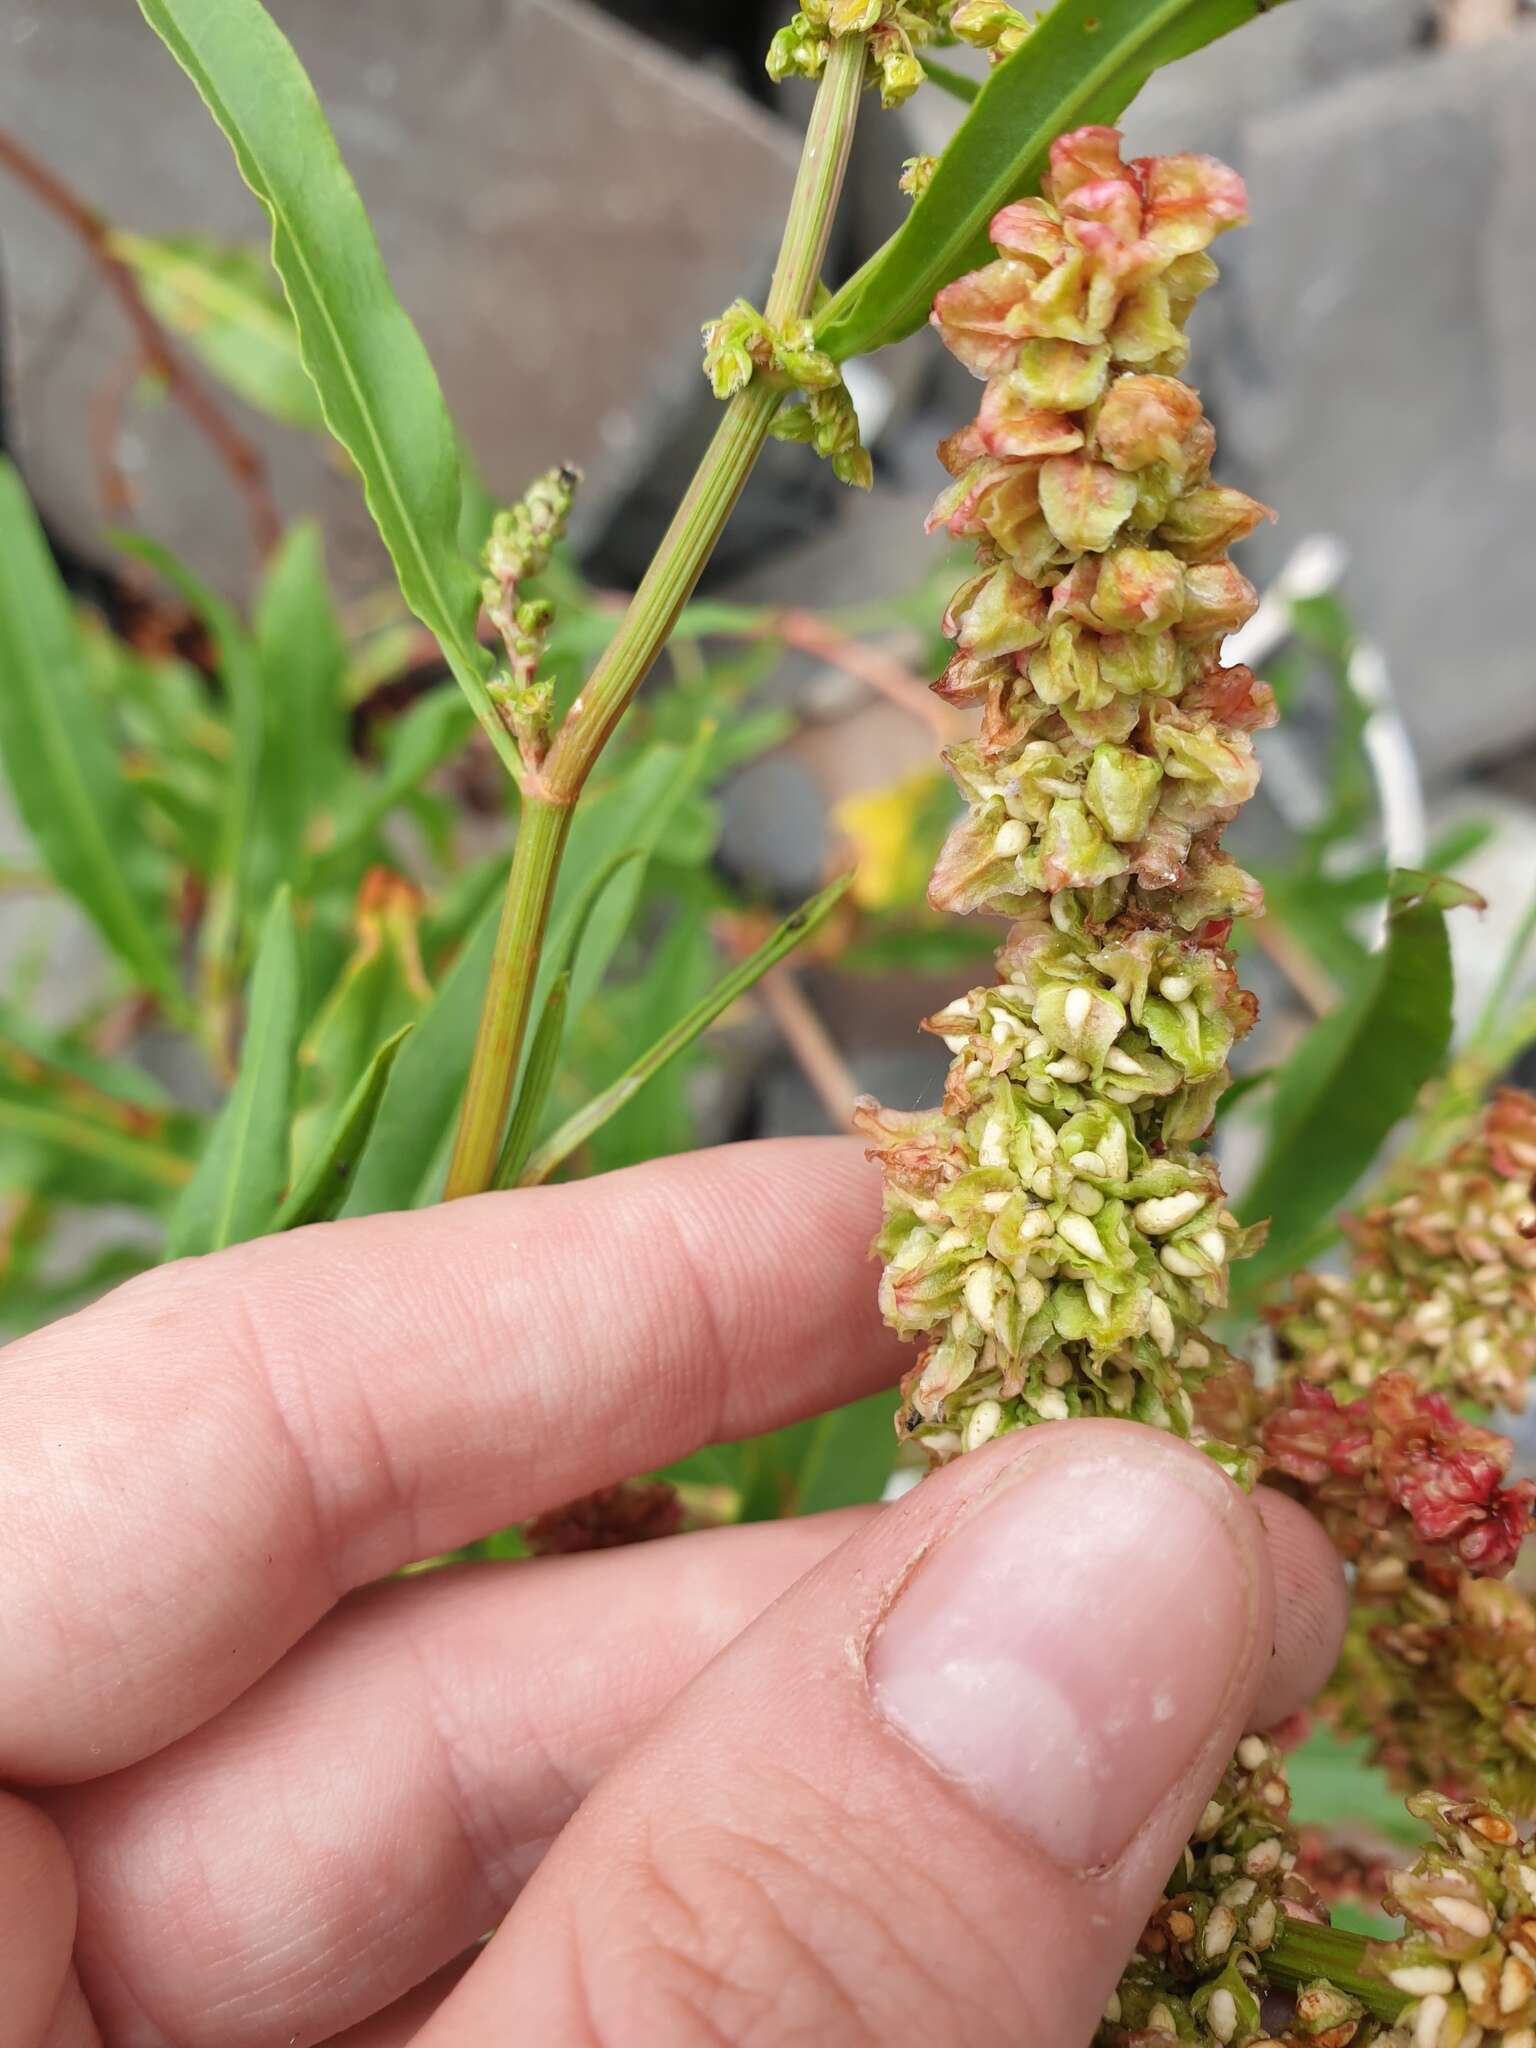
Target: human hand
x: 908, y: 1775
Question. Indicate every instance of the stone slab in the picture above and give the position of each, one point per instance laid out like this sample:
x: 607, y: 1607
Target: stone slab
x: 560, y: 202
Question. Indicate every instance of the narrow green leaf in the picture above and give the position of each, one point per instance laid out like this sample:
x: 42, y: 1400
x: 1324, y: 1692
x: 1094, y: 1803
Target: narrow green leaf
x: 324, y: 1185
x: 430, y: 733
x: 301, y: 664
x: 1354, y: 1076
x: 81, y: 813
x: 56, y: 1146
x: 226, y: 302
x: 850, y: 1456
x: 1084, y: 62
x: 240, y: 1180
x: 578, y: 1128
x: 402, y: 1167
x: 376, y: 384
x: 955, y: 83
x: 240, y: 672
x: 538, y: 1077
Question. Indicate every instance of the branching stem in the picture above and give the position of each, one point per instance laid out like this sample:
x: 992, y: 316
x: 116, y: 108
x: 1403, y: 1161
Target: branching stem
x: 239, y: 456
x: 665, y: 588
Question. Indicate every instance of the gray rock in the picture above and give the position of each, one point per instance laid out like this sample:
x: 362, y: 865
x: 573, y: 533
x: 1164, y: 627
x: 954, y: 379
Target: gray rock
x: 1373, y: 374
x: 560, y: 203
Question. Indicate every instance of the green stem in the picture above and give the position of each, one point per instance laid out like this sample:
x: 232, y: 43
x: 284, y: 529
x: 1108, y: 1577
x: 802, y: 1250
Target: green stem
x: 1304, y: 1952
x: 663, y: 591
x: 541, y: 832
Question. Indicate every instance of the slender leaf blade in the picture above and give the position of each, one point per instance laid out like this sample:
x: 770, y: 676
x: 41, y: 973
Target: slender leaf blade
x: 301, y: 663
x: 593, y: 1115
x: 80, y: 811
x: 850, y: 1456
x: 241, y: 1176
x: 1084, y: 62
x: 376, y: 384
x: 321, y: 1190
x: 223, y: 298
x: 402, y: 1167
x: 538, y: 1078
x: 1356, y: 1074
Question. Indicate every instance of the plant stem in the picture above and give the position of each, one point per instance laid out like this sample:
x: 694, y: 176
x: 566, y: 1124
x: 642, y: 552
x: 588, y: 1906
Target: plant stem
x: 242, y: 458
x: 664, y: 589
x: 1305, y: 1951
x: 541, y: 831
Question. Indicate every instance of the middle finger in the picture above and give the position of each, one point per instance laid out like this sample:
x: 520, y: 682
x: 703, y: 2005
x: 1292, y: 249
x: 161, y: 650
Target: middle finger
x: 374, y: 1804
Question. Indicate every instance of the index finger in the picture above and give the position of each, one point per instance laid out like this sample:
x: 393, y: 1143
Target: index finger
x: 198, y: 1466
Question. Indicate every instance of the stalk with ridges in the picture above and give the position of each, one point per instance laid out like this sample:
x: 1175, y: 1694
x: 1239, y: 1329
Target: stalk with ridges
x: 664, y: 590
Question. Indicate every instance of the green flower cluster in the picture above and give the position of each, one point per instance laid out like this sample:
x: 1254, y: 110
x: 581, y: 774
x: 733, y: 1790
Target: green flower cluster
x: 1053, y: 1229
x: 897, y: 30
x: 1197, y: 1973
x: 1442, y: 1283
x: 1468, y: 1958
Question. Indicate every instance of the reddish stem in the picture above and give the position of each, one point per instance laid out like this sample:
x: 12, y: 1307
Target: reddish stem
x: 239, y: 456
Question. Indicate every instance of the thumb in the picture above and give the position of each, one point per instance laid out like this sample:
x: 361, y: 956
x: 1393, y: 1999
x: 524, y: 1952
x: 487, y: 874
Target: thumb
x: 933, y: 1794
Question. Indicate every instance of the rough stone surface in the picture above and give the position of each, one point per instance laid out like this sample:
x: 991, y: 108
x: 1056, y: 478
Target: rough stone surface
x: 1369, y: 365
x: 560, y: 203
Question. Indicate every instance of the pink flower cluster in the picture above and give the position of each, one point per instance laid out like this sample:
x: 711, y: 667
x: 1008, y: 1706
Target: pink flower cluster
x: 1399, y: 1473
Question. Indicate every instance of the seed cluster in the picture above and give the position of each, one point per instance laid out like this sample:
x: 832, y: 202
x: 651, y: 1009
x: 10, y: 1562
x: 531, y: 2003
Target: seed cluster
x: 1054, y: 1233
x: 1053, y: 1229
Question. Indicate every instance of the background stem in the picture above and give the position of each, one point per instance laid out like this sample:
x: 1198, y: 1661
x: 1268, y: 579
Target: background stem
x: 663, y: 591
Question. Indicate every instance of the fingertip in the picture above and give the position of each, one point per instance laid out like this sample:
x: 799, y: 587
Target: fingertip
x: 37, y: 1918
x: 1311, y: 1607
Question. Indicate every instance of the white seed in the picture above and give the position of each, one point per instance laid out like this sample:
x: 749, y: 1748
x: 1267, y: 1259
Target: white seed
x: 1035, y: 1223
x: 1038, y: 1088
x: 1119, y: 1062
x: 1089, y: 1163
x: 1422, y: 1980
x: 1036, y: 1046
x: 1056, y: 1371
x: 1080, y: 1234
x: 1161, y: 1213
x: 1078, y: 1008
x: 1115, y: 1153
x: 1214, y: 1245
x: 956, y: 1041
x: 1181, y: 1263
x: 993, y: 1149
x: 1160, y: 2020
x: 1263, y: 1857
x: 1431, y: 2015
x: 996, y: 1202
x: 1473, y: 1978
x: 1030, y: 1295
x: 1097, y: 1299
x: 1522, y: 2037
x: 1515, y: 1984
x: 1012, y: 838
x: 981, y: 1293
x: 1112, y: 2010
x: 1160, y: 1325
x: 1261, y: 1924
x: 1210, y: 1820
x: 1085, y: 1198
x: 981, y: 1425
x: 1067, y: 1069
x: 1043, y: 1181
x: 1051, y: 1405
x: 1175, y: 988
x: 1252, y: 1752
x: 1463, y: 1913
x: 1219, y: 1930
x: 1221, y: 2014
